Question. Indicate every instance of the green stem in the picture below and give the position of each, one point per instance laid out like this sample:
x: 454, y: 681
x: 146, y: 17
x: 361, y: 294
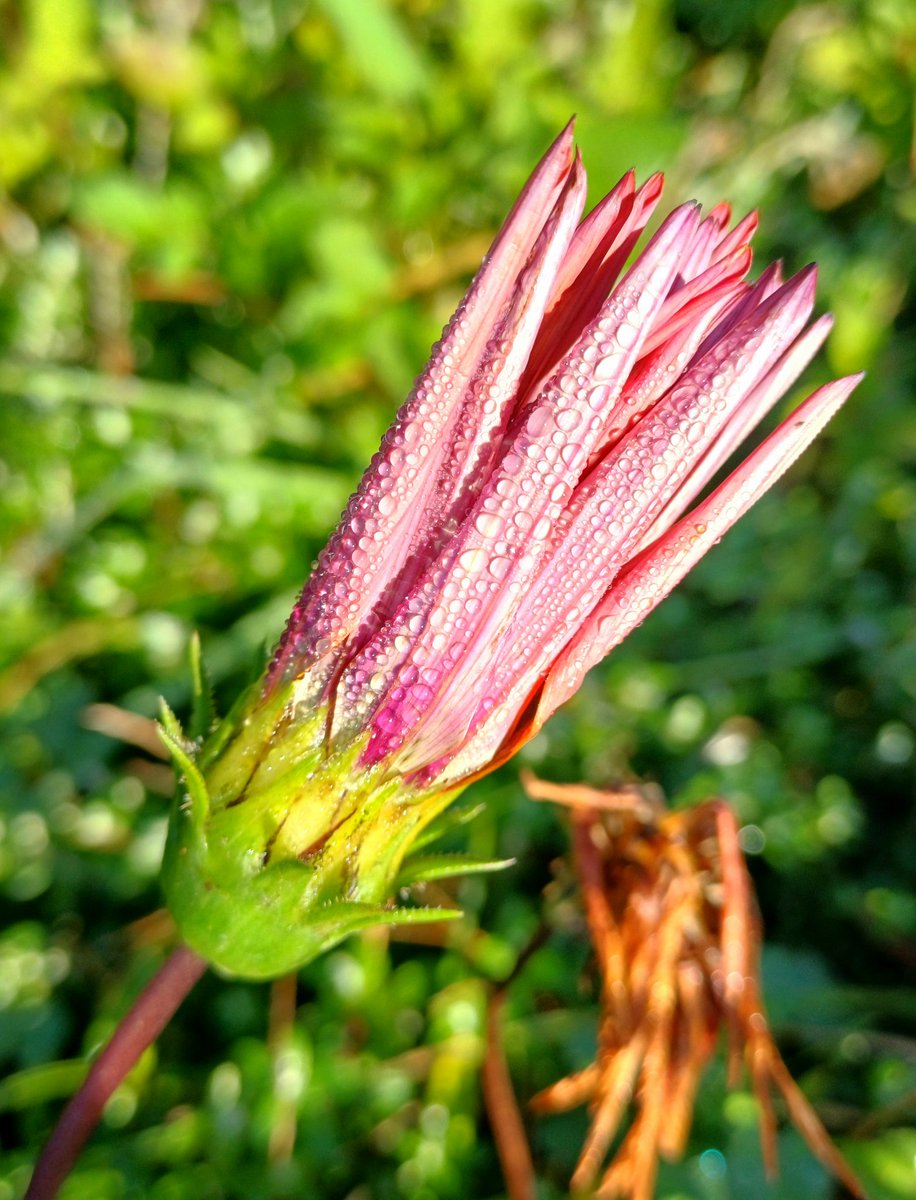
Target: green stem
x: 151, y: 1012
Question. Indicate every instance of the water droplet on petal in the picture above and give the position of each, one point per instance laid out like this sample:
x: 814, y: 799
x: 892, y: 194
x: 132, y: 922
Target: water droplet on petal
x: 488, y: 525
x: 472, y: 561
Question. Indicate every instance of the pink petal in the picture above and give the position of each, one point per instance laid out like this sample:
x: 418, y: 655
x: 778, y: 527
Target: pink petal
x: 492, y: 394
x: 619, y: 500
x: 388, y: 514
x: 770, y: 389
x: 685, y: 302
x: 447, y: 632
x: 482, y: 417
x: 739, y: 236
x: 653, y: 574
x: 601, y: 246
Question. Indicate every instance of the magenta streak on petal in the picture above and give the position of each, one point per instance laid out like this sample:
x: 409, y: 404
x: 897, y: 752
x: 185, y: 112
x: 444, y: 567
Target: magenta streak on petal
x: 488, y: 406
x: 601, y: 246
x: 683, y: 303
x: 498, y: 546
x: 484, y: 414
x: 739, y: 236
x: 769, y: 282
x: 621, y: 498
x: 701, y: 252
x: 768, y: 391
x: 387, y: 516
x: 653, y: 574
x: 474, y: 448
x: 654, y: 373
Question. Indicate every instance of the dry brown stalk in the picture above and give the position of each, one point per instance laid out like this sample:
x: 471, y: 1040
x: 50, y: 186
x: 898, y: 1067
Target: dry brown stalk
x: 671, y: 913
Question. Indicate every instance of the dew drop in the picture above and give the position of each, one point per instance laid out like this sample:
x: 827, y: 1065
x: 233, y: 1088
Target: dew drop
x: 696, y: 432
x: 568, y: 418
x: 538, y: 421
x: 488, y: 525
x: 386, y: 720
x: 473, y: 560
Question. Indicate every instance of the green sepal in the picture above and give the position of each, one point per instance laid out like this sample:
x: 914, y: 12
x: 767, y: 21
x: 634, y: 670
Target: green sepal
x: 203, y: 711
x: 434, y: 867
x: 181, y: 751
x: 279, y: 847
x: 169, y: 724
x: 448, y: 822
x: 362, y: 916
x: 261, y: 925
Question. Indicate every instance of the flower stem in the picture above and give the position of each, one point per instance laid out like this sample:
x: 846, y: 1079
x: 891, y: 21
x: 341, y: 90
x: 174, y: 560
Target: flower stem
x: 151, y: 1012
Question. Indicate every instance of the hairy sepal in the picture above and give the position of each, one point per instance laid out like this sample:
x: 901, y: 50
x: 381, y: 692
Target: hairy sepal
x: 276, y: 851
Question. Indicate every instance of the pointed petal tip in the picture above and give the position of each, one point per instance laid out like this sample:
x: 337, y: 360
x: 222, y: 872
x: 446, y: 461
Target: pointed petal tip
x: 822, y: 404
x: 773, y: 271
x: 750, y: 221
x: 798, y: 290
x: 678, y: 227
x: 562, y: 145
x: 824, y: 323
x: 739, y: 261
x: 807, y: 276
x: 577, y: 180
x: 652, y: 188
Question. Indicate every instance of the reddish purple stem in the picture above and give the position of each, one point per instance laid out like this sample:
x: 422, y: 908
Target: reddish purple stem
x: 152, y: 1011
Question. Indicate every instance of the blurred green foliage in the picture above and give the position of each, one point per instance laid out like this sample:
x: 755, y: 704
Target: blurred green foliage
x: 229, y: 231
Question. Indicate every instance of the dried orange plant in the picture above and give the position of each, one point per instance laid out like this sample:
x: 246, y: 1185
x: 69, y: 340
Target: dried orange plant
x: 672, y: 916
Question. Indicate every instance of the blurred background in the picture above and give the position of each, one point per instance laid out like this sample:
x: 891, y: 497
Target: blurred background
x: 229, y: 232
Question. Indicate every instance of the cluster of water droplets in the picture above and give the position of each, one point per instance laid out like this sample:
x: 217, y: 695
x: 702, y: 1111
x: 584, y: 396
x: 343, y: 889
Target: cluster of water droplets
x: 380, y: 520
x: 476, y: 592
x: 606, y: 518
x: 618, y: 503
x: 397, y: 515
x: 654, y: 573
x: 503, y: 538
x: 492, y: 393
x: 475, y: 440
x: 619, y: 499
x: 660, y: 563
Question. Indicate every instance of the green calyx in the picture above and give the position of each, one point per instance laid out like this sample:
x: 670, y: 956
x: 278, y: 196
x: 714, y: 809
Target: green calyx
x: 278, y: 849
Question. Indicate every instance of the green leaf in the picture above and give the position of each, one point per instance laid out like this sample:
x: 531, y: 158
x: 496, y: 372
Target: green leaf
x: 448, y: 822
x: 203, y: 713
x: 362, y: 916
x: 181, y: 751
x: 379, y: 46
x: 448, y: 866
x: 41, y: 1084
